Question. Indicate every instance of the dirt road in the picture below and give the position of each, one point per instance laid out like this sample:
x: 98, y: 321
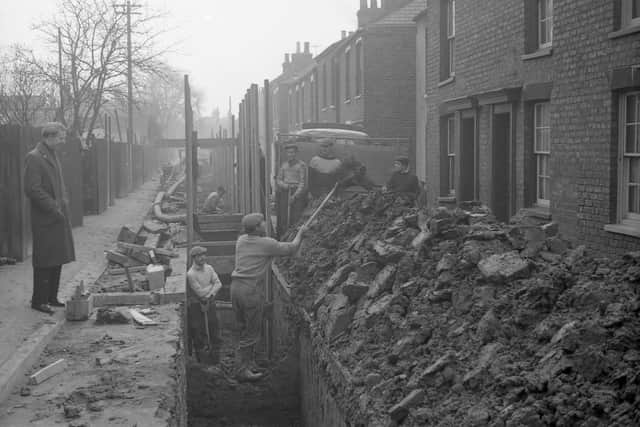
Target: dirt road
x: 17, y: 319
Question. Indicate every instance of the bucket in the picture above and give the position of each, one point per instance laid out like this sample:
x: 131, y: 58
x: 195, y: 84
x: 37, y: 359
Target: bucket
x: 155, y: 276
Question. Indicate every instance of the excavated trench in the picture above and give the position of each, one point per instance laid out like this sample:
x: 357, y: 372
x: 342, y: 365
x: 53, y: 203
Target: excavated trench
x: 297, y: 390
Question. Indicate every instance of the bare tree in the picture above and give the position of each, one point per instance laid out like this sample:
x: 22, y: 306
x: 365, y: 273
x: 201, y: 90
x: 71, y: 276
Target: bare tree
x: 94, y: 54
x: 163, y: 102
x: 26, y: 96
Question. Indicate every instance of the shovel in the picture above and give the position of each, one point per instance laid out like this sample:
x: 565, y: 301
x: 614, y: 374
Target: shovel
x: 205, y: 310
x: 317, y: 211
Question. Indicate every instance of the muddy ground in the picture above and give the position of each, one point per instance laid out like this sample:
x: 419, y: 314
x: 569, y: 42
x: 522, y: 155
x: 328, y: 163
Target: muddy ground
x: 136, y: 386
x: 450, y: 318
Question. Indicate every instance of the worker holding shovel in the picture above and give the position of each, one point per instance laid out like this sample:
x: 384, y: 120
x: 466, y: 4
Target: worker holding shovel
x: 204, y: 285
x: 291, y: 183
x: 254, y: 253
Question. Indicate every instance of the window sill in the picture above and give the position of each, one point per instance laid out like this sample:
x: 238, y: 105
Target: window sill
x: 347, y: 101
x: 538, y: 212
x: 447, y: 199
x: 332, y: 107
x: 628, y: 230
x: 629, y: 29
x: 540, y: 53
x: 451, y: 79
x: 357, y: 97
x: 323, y: 109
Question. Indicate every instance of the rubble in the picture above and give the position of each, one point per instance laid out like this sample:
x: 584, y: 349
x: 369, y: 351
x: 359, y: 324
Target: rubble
x: 473, y: 321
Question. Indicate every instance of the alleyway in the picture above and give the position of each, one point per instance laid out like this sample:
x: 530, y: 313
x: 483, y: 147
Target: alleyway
x: 17, y: 320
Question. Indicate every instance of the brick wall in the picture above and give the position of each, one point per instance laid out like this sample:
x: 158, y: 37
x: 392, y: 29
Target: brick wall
x: 390, y: 81
x: 490, y: 44
x: 585, y: 120
x: 489, y: 47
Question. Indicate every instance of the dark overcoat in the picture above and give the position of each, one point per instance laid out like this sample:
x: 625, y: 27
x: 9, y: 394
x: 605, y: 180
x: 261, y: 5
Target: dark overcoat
x: 50, y: 225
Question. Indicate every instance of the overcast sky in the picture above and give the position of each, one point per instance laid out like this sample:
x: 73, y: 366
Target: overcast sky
x: 223, y: 45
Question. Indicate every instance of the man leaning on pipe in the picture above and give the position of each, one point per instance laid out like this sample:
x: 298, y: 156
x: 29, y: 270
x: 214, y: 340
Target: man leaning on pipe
x: 254, y: 253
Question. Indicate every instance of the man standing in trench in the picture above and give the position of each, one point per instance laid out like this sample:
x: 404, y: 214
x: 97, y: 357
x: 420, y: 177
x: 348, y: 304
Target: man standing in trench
x: 254, y: 253
x: 50, y: 225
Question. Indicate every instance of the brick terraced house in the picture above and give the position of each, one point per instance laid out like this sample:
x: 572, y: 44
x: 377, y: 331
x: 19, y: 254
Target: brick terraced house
x: 367, y: 78
x: 535, y: 105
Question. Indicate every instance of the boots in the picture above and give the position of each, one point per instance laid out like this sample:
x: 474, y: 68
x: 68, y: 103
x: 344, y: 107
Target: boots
x: 245, y: 373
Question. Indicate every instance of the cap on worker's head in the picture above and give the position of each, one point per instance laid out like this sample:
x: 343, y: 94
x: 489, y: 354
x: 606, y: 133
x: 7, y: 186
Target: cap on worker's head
x: 197, y: 250
x: 403, y: 160
x: 291, y: 146
x: 326, y: 142
x: 251, y: 221
x: 221, y: 189
x: 52, y: 129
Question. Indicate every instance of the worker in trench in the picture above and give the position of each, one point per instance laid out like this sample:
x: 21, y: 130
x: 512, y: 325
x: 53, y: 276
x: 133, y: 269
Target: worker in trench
x: 291, y: 184
x: 204, y: 285
x: 402, y: 180
x: 323, y: 169
x: 214, y: 204
x: 254, y: 253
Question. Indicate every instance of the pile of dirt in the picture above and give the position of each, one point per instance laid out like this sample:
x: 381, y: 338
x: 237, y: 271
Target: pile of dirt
x: 441, y: 317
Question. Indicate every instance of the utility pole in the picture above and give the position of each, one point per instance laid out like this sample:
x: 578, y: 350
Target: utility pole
x: 60, y: 82
x: 127, y: 10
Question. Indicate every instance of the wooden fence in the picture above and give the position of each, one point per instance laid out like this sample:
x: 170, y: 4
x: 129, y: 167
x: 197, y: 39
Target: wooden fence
x: 105, y: 171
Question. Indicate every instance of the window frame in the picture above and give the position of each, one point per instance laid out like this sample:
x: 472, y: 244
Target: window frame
x: 347, y: 74
x: 451, y: 155
x: 451, y: 35
x: 359, y: 68
x: 542, y: 23
x: 626, y: 14
x: 542, y: 154
x: 624, y: 216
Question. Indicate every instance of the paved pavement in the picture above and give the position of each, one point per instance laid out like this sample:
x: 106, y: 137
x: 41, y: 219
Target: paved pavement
x: 18, y: 322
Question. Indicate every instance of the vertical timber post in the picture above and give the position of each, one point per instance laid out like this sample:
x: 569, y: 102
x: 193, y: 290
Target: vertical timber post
x: 188, y: 133
x: 267, y: 207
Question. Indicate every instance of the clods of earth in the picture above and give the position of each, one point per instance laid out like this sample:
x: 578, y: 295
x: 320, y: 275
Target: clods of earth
x: 447, y: 317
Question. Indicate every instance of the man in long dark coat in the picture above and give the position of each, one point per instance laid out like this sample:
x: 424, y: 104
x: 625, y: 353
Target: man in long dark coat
x: 50, y: 225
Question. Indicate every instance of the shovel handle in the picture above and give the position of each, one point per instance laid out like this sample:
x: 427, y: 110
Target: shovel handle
x: 319, y: 208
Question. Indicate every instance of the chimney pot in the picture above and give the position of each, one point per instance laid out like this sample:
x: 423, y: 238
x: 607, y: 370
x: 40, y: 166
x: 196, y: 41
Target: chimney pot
x: 306, y: 47
x: 374, y: 4
x: 363, y: 4
x: 297, y: 47
x: 286, y: 58
x: 344, y: 34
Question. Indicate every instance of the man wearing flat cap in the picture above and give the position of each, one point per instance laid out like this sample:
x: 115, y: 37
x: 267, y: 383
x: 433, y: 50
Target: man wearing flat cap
x: 402, y: 180
x: 323, y: 169
x: 254, y: 253
x: 204, y: 285
x: 291, y: 183
x: 50, y: 225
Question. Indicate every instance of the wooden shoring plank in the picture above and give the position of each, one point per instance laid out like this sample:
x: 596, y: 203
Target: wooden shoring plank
x: 48, y: 371
x: 141, y: 319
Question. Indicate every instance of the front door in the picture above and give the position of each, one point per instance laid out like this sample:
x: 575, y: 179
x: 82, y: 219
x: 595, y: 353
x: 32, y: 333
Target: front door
x: 501, y: 141
x: 467, y: 159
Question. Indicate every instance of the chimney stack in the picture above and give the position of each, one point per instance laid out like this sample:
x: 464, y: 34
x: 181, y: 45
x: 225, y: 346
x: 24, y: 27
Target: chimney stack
x: 368, y: 14
x: 286, y: 65
x: 306, y: 48
x: 297, y: 47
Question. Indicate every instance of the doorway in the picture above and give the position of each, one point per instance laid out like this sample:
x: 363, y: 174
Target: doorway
x: 467, y: 158
x: 500, y: 164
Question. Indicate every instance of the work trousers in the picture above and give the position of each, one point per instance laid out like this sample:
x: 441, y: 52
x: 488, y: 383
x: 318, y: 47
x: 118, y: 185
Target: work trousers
x: 247, y: 302
x: 288, y: 215
x: 197, y: 326
x: 46, y: 281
